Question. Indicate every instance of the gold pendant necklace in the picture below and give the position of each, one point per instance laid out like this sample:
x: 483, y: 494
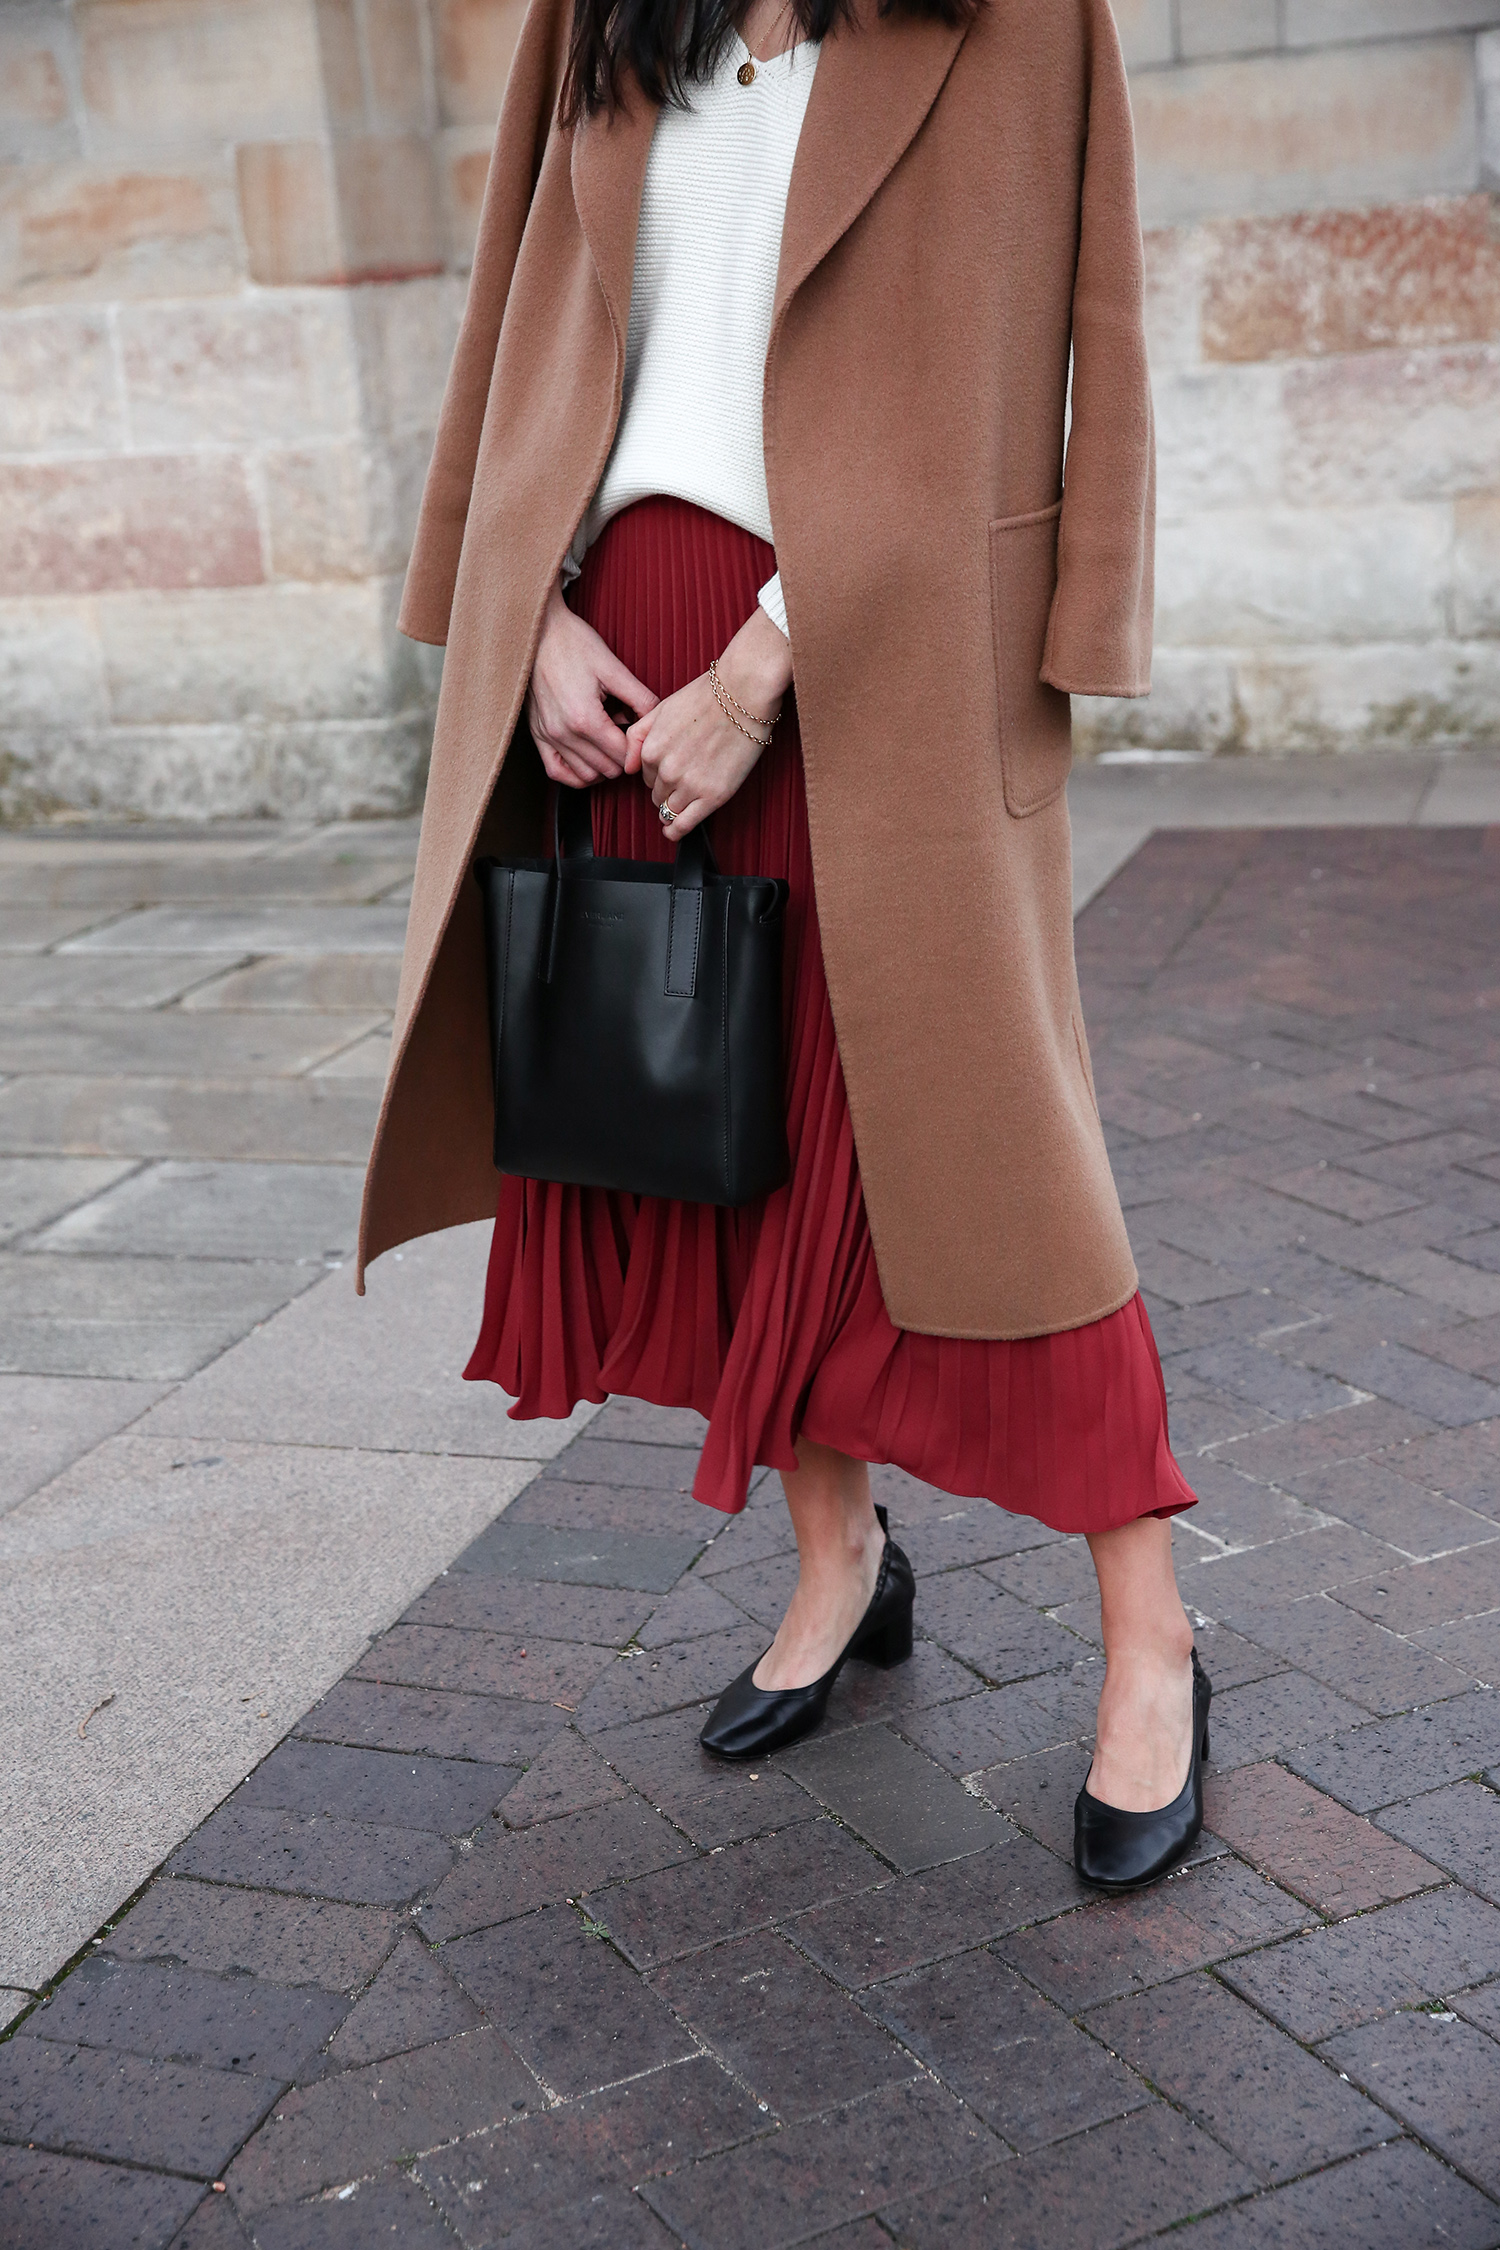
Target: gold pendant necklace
x: 746, y: 72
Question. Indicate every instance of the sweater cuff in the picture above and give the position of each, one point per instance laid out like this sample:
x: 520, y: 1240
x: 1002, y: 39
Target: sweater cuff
x: 771, y: 602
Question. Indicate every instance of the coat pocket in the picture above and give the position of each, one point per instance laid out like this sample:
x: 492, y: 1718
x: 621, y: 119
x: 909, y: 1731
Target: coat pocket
x: 1036, y: 732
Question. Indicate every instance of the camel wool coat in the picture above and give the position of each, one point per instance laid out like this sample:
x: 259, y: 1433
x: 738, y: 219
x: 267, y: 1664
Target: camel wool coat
x: 961, y: 227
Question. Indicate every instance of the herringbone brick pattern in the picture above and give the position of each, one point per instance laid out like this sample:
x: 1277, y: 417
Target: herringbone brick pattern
x: 487, y: 1952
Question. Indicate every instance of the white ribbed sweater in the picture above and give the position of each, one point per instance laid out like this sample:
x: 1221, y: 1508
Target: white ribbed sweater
x: 707, y: 251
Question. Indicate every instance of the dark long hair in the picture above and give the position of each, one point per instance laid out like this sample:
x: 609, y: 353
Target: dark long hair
x: 673, y: 44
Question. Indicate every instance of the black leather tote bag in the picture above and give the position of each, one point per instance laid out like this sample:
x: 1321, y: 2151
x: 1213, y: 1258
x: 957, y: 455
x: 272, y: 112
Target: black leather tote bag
x: 635, y: 1018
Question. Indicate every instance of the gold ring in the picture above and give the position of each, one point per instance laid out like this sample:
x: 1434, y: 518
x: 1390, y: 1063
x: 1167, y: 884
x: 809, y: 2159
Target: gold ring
x: 666, y: 813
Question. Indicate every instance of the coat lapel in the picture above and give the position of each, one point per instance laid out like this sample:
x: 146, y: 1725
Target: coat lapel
x: 609, y: 171
x: 877, y: 79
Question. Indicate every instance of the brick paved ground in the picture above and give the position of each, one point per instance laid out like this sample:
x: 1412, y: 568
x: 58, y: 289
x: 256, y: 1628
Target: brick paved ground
x: 486, y: 1951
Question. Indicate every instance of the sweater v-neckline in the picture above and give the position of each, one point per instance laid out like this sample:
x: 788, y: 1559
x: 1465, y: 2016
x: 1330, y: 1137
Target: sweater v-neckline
x: 768, y: 62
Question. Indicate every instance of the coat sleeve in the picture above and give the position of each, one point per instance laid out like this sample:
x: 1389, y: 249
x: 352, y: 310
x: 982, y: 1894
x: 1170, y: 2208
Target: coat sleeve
x: 1099, y: 630
x: 525, y: 121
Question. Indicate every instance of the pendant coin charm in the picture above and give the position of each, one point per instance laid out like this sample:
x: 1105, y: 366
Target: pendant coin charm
x: 746, y: 72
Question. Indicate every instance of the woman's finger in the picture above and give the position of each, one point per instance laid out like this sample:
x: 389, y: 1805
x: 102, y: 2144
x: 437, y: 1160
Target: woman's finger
x: 636, y: 739
x: 679, y: 790
x: 685, y: 820
x: 588, y: 755
x: 563, y: 762
x: 558, y: 767
x: 591, y: 733
x: 672, y: 781
x: 618, y: 680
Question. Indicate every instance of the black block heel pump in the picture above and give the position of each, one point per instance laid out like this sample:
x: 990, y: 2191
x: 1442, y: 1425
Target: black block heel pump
x: 750, y: 1722
x: 1122, y: 1851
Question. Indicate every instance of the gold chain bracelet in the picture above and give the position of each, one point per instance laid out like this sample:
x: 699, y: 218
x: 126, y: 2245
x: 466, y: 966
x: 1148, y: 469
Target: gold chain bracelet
x: 725, y: 697
x: 735, y: 711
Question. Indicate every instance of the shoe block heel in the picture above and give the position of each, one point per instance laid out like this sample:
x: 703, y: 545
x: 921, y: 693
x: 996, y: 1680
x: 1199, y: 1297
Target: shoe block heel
x: 892, y: 1646
x: 1205, y: 1744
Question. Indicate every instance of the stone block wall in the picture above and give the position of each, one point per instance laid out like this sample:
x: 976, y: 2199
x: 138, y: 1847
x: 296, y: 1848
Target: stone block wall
x: 233, y: 236
x: 1319, y: 186
x: 232, y: 241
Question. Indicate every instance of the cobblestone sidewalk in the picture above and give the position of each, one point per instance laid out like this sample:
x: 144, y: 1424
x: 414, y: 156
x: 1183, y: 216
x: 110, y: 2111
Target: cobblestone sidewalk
x: 486, y: 1951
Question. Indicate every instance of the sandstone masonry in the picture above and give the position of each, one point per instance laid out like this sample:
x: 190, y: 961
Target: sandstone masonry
x: 1318, y: 184
x: 232, y: 240
x: 233, y: 235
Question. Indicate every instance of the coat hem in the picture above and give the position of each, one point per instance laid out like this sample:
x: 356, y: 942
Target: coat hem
x: 1051, y: 678
x: 992, y: 1335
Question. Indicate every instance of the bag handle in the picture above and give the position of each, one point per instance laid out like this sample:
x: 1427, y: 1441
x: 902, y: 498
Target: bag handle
x: 573, y: 838
x: 692, y: 866
x: 572, y: 823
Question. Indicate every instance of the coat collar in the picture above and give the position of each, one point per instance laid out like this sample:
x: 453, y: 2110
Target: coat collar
x: 877, y: 78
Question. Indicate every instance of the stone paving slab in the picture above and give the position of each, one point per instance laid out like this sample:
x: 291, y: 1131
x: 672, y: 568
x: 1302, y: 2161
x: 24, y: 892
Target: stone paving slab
x: 336, y: 1369
x: 260, y: 1120
x: 297, y: 1212
x: 129, y: 982
x: 323, y: 983
x: 32, y: 929
x: 582, y: 1985
x: 152, y: 1044
x: 139, y: 1318
x: 369, y: 1058
x: 35, y: 1189
x: 241, y: 930
x: 131, y: 878
x: 50, y: 1420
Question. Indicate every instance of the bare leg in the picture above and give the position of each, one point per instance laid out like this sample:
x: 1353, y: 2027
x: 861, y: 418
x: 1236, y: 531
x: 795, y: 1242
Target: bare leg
x: 839, y: 1545
x: 1145, y: 1735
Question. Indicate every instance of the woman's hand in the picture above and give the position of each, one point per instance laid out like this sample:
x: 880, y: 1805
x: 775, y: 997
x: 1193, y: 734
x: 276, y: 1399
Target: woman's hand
x: 575, y: 676
x: 689, y: 753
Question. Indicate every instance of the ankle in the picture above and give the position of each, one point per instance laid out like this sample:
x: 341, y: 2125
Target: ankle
x: 1166, y: 1648
x: 1141, y: 1700
x: 845, y: 1549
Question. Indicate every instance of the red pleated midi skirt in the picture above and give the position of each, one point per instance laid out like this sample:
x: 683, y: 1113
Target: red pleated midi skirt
x: 770, y: 1319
